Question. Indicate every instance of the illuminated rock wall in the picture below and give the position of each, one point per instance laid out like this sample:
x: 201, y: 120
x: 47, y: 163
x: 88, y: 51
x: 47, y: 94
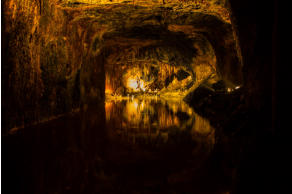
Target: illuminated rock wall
x: 43, y: 52
x: 55, y: 53
x: 165, y: 67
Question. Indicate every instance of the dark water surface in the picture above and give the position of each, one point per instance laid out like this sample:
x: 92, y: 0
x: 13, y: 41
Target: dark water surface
x: 130, y: 146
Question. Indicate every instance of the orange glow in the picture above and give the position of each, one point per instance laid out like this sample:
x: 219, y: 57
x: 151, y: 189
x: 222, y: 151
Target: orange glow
x: 132, y: 83
x: 108, y: 86
x: 138, y: 111
x: 142, y: 87
x: 108, y: 89
x: 136, y: 84
x: 145, y: 117
x: 108, y: 110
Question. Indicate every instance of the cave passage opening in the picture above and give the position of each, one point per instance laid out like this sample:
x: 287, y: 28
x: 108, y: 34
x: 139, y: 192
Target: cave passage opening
x: 152, y: 72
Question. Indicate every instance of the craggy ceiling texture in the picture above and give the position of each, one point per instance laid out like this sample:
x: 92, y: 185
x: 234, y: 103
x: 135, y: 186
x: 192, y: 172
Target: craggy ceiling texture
x: 59, y: 55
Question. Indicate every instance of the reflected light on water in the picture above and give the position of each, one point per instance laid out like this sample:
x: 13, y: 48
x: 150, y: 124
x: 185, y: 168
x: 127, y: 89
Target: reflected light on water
x: 155, y: 118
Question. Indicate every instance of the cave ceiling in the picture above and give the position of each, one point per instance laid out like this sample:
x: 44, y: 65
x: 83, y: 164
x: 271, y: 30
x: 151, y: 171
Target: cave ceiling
x: 181, y: 33
x: 212, y: 7
x: 194, y: 36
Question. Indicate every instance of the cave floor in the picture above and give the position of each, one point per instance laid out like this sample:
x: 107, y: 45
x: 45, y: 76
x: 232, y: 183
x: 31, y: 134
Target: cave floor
x: 135, y: 146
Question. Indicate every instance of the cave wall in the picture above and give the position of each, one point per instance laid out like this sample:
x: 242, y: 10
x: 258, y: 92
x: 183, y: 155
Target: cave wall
x: 43, y: 53
x: 128, y: 24
x: 254, y: 30
x: 159, y: 63
x: 54, y: 52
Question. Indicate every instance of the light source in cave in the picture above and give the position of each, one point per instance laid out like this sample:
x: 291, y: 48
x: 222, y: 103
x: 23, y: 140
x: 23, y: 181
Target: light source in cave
x: 163, y: 79
x: 133, y: 83
x: 136, y: 84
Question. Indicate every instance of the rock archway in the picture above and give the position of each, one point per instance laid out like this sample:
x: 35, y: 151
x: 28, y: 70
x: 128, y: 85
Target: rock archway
x: 72, y: 44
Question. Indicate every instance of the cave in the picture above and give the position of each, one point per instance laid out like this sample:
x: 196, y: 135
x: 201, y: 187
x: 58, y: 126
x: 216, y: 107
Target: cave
x: 140, y: 96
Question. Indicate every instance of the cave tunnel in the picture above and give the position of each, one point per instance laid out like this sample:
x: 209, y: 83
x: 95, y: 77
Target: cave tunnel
x: 141, y: 96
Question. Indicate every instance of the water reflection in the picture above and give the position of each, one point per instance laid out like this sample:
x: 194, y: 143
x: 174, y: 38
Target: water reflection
x: 148, y: 145
x: 156, y: 118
